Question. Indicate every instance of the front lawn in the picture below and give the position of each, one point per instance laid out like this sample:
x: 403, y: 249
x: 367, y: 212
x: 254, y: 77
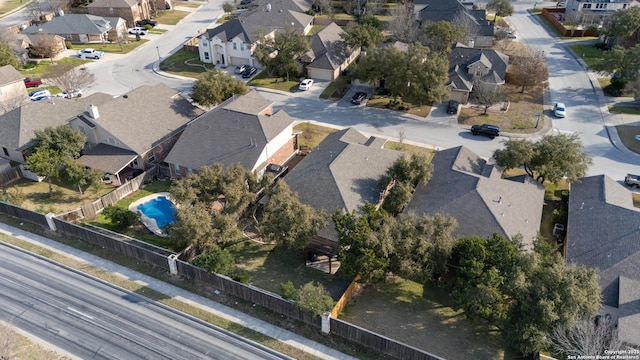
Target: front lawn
x: 422, y: 316
x: 115, y: 48
x: 410, y: 149
x: 386, y: 102
x: 41, y: 67
x: 171, y: 17
x: 627, y: 134
x: 629, y: 110
x: 185, y: 63
x: 589, y: 53
x: 262, y: 79
x: 312, y: 135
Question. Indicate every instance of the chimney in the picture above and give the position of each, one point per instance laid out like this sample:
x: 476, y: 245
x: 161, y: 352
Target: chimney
x: 93, y: 111
x: 472, y: 43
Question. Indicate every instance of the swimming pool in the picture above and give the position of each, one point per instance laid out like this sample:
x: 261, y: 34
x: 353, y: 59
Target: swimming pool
x: 159, y: 209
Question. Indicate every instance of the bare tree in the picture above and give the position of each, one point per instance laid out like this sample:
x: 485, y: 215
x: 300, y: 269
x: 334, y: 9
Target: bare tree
x: 8, y: 343
x: 45, y: 47
x: 403, y: 26
x: 585, y: 338
x: 67, y: 77
x: 486, y: 94
x: 528, y: 67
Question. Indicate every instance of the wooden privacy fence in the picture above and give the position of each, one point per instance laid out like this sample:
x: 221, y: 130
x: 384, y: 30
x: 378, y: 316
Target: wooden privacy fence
x: 548, y: 14
x: 167, y: 261
x: 345, y: 298
x: 10, y: 175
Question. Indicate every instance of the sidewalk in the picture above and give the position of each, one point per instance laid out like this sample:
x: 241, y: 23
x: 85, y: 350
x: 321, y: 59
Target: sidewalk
x: 177, y: 293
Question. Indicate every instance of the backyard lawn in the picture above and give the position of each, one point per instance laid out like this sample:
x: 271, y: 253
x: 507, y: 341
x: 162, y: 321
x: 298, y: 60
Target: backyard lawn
x: 422, y: 317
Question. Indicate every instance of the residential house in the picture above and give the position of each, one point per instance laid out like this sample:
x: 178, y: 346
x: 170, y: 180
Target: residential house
x: 471, y: 190
x: 132, y: 131
x: 460, y: 13
x: 343, y: 174
x: 130, y: 10
x: 233, y: 42
x: 603, y: 232
x: 12, y: 89
x: 77, y: 28
x: 242, y: 130
x: 36, y: 45
x: 600, y: 7
x: 329, y: 55
x: 467, y: 64
x: 118, y: 30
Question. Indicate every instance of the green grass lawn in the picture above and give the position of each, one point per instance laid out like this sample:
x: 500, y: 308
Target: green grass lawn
x: 185, y: 63
x: 589, y: 54
x: 171, y: 17
x: 422, y: 316
x: 42, y: 66
x: 629, y: 110
x: 410, y: 149
x: 10, y: 5
x: 187, y: 4
x: 628, y: 135
x: 312, y: 135
x: 262, y: 79
x: 114, y: 48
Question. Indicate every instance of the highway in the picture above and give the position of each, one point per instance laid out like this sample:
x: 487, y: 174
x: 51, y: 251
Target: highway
x: 91, y: 319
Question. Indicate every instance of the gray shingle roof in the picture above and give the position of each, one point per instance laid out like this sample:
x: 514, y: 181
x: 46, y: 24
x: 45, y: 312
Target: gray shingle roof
x: 230, y: 134
x: 113, y: 4
x: 107, y: 158
x: 465, y: 187
x: 72, y: 24
x: 328, y: 50
x: 629, y: 311
x: 9, y: 75
x: 462, y: 57
x: 342, y: 172
x: 17, y: 126
x: 145, y: 116
x: 231, y: 29
x: 603, y: 232
x: 451, y: 10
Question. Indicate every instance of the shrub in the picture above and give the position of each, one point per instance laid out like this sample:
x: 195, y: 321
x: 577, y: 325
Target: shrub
x: 121, y: 218
x: 241, y: 276
x: 288, y: 290
x: 68, y: 44
x: 216, y: 260
x: 314, y: 298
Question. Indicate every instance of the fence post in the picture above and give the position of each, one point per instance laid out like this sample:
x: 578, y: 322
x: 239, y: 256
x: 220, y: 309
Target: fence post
x: 173, y: 269
x: 326, y: 322
x: 50, y: 222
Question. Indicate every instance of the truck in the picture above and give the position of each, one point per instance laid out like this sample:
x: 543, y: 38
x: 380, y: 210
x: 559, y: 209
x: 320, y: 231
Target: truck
x: 632, y: 180
x: 90, y: 54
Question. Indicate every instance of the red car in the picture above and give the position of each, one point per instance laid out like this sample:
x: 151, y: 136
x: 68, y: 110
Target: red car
x: 29, y: 82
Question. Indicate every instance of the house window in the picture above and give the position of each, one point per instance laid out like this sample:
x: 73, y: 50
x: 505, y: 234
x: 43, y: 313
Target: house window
x: 151, y: 158
x: 6, y: 152
x: 189, y: 171
x: 242, y: 46
x: 586, y: 6
x: 206, y: 55
x: 176, y: 168
x: 110, y: 10
x: 111, y: 140
x: 235, y: 46
x: 601, y: 6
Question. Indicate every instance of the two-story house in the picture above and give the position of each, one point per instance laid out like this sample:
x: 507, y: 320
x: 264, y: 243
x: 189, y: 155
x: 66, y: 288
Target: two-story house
x: 12, y: 90
x: 130, y: 10
x: 233, y: 42
x: 599, y: 6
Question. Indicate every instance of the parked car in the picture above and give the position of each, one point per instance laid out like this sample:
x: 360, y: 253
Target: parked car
x: 305, y: 84
x: 29, y: 82
x: 90, y: 53
x: 249, y: 72
x: 452, y: 107
x: 486, y: 129
x: 561, y: 4
x: 138, y: 31
x: 511, y: 35
x: 241, y: 69
x: 71, y: 94
x: 39, y: 95
x: 632, y: 180
x: 559, y: 110
x: 145, y: 22
x: 359, y: 97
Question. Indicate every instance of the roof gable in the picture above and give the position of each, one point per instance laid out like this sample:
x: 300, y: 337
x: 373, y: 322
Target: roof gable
x: 463, y: 58
x: 72, y: 24
x: 230, y: 30
x: 9, y: 75
x: 328, y: 50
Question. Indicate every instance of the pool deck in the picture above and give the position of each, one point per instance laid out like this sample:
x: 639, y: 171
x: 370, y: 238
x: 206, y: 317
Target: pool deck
x: 147, y: 221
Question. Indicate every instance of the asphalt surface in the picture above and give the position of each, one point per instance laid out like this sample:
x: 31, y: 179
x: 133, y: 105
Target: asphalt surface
x: 89, y: 318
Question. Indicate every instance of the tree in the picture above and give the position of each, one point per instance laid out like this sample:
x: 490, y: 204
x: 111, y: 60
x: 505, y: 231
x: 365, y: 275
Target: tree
x: 321, y: 6
x: 622, y: 26
x: 45, y: 47
x: 47, y: 163
x: 361, y: 36
x: 76, y: 174
x: 623, y: 63
x: 8, y: 56
x: 486, y: 94
x: 403, y: 25
x: 398, y: 197
x: 215, y: 260
x: 585, y: 338
x: 63, y: 139
x: 288, y: 221
x: 68, y: 77
x: 216, y: 86
x: 407, y: 174
x: 501, y: 8
x: 279, y: 54
x: 634, y: 88
x: 314, y: 298
x: 528, y: 68
x: 228, y: 7
x: 552, y: 158
x: 120, y: 217
x: 193, y: 225
x: 441, y: 35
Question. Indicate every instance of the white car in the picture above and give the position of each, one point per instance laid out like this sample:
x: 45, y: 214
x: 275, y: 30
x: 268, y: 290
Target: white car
x: 511, y: 35
x: 305, y: 84
x: 559, y: 110
x: 72, y: 94
x: 138, y: 31
x: 39, y: 95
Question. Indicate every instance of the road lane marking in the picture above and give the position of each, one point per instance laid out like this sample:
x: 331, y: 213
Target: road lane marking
x: 79, y: 313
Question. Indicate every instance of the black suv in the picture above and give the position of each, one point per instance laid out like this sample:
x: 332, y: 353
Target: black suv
x: 358, y: 98
x: 486, y: 129
x: 145, y: 22
x: 452, y: 107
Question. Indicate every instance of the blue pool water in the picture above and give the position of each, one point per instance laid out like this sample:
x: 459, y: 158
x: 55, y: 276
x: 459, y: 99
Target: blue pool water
x: 160, y: 209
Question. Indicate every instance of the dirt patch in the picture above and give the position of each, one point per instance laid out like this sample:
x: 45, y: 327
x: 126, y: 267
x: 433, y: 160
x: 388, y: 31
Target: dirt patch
x: 519, y: 116
x: 627, y: 134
